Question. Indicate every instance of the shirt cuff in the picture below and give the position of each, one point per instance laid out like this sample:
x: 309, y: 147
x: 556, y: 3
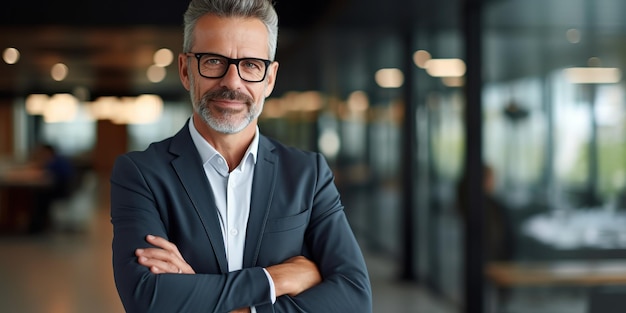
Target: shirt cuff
x: 272, y: 288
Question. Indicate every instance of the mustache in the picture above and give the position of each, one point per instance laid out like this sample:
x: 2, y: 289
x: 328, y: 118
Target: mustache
x: 226, y: 94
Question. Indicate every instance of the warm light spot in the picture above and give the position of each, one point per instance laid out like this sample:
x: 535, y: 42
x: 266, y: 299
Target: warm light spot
x: 163, y: 57
x: 11, y: 55
x: 146, y: 109
x: 59, y: 72
x: 389, y: 78
x: 445, y: 67
x: 593, y: 75
x: 143, y: 109
x: 103, y: 107
x: 358, y: 101
x: 155, y: 73
x: 420, y: 57
x: 61, y: 107
x: 36, y: 103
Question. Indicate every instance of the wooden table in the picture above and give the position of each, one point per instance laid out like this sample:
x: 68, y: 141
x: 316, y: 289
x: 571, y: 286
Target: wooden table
x: 18, y: 191
x: 577, y: 273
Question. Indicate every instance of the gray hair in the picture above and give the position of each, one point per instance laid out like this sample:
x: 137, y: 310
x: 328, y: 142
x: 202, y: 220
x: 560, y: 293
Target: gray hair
x: 260, y: 9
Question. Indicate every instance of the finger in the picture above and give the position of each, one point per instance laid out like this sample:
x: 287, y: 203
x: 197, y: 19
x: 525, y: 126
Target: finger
x: 158, y: 266
x: 151, y: 262
x: 158, y: 253
x: 160, y: 242
x: 163, y: 244
x: 154, y: 255
x: 165, y: 260
x: 167, y: 252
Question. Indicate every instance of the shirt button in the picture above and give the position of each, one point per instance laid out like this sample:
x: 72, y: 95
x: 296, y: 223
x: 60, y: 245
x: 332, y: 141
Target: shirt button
x: 234, y: 232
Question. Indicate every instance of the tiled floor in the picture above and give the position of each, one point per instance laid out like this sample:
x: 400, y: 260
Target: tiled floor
x: 70, y: 272
x: 394, y: 296
x: 60, y: 273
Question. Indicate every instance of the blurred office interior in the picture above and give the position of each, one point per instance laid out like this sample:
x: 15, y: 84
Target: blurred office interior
x: 479, y: 145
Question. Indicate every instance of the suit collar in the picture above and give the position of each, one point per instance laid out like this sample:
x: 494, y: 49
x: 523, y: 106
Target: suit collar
x: 188, y: 167
x: 262, y: 191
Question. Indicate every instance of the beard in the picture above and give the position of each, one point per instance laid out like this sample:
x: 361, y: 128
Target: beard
x: 225, y: 120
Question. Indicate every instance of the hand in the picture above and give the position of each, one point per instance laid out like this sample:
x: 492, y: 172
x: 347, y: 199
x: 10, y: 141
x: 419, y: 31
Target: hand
x: 294, y: 276
x: 165, y: 258
x: 244, y: 310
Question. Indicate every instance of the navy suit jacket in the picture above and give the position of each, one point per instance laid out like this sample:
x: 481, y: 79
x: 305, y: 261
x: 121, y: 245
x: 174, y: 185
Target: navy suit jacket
x: 295, y: 210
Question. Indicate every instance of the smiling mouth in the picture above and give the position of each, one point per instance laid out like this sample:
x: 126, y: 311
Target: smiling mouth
x: 228, y: 106
x: 229, y: 103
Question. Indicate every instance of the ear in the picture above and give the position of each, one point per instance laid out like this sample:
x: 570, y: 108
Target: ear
x: 272, y: 72
x: 183, y: 70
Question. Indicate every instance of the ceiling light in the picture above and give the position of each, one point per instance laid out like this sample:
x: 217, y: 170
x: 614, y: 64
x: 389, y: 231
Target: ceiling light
x: 445, y: 67
x: 163, y: 57
x: 147, y: 109
x: 61, y: 107
x: 155, y: 73
x: 36, y: 103
x: 59, y: 72
x: 389, y: 78
x: 420, y: 57
x: 104, y: 107
x: 11, y: 55
x: 593, y: 75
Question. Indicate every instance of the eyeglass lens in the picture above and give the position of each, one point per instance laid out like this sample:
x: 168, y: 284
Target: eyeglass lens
x: 216, y: 66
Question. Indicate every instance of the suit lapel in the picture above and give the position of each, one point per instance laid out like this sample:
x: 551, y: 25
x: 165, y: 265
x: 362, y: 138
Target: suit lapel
x: 263, y: 185
x: 191, y: 174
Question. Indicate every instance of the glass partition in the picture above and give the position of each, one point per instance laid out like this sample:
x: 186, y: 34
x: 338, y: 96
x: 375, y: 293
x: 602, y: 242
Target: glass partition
x: 553, y: 103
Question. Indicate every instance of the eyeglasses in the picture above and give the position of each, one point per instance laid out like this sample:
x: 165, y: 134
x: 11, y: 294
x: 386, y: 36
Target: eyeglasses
x: 211, y: 65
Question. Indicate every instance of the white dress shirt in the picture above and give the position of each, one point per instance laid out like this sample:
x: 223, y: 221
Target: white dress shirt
x: 232, y: 192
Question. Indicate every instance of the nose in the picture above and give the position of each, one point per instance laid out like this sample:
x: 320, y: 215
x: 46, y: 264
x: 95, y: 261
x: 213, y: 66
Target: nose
x: 231, y: 79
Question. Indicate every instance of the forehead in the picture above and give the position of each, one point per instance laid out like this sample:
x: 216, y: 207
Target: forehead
x: 231, y: 36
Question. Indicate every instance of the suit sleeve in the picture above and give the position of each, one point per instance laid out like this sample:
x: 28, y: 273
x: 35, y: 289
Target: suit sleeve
x: 332, y: 246
x: 134, y: 214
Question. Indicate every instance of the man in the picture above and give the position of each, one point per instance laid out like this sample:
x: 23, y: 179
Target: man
x: 219, y: 218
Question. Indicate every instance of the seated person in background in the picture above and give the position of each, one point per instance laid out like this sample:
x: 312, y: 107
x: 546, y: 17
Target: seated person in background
x: 56, y: 169
x: 498, y: 234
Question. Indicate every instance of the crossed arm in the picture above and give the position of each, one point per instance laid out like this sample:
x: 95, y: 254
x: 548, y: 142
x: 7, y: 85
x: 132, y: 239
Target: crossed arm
x: 291, y: 277
x: 142, y: 204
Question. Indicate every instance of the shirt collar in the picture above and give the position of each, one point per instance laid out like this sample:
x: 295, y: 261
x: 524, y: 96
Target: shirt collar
x: 207, y: 151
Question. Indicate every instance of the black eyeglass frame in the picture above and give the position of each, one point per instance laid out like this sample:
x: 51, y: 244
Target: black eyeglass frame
x: 199, y: 55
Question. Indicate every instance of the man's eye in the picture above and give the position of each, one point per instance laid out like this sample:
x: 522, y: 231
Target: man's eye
x: 250, y: 64
x: 213, y: 61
